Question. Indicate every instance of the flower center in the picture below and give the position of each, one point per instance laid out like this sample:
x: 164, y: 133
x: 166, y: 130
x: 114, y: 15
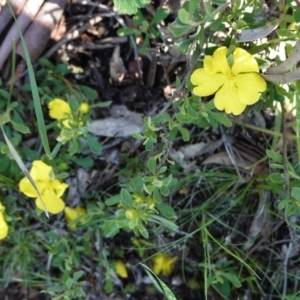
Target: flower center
x: 49, y: 184
x: 230, y: 76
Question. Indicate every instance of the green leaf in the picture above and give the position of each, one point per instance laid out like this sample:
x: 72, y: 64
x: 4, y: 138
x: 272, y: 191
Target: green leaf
x: 77, y: 275
x: 165, y: 191
x: 94, y: 145
x: 179, y: 30
x: 233, y: 279
x: 221, y: 118
x: 185, y: 17
x: 275, y: 156
x: 160, y: 15
x: 73, y: 148
x: 91, y: 94
x: 102, y: 104
x: 193, y: 6
x: 138, y: 136
x: 283, y: 203
x: 152, y: 165
x: 85, y: 162
x: 184, y: 133
x: 166, y: 210
x: 126, y: 31
x: 165, y: 222
x: 285, y: 34
x: 162, y: 286
x: 223, y: 288
x: 126, y: 198
x: 130, y: 7
x: 296, y: 193
x: 4, y: 94
x: 138, y: 184
x: 69, y: 283
x: 276, y: 166
x: 291, y: 210
x: 183, y: 118
x: 20, y: 127
x: 110, y: 228
x: 143, y: 231
x: 113, y: 200
x: 276, y: 177
x: 296, y: 15
x: 149, y: 188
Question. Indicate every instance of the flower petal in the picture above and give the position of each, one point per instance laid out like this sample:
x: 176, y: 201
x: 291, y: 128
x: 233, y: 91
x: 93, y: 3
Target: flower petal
x: 217, y: 63
x: 26, y: 188
x: 3, y: 227
x: 59, y: 187
x: 59, y: 109
x: 72, y: 214
x: 41, y: 171
x: 163, y: 263
x: 244, y: 62
x: 227, y: 98
x: 121, y: 269
x: 207, y: 84
x: 249, y: 87
x: 53, y: 203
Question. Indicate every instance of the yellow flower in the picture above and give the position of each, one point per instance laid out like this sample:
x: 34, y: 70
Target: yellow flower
x: 59, y: 109
x: 121, y: 269
x: 163, y: 263
x: 131, y: 214
x: 51, y: 189
x: 3, y: 224
x: 84, y: 107
x: 236, y: 86
x: 72, y: 214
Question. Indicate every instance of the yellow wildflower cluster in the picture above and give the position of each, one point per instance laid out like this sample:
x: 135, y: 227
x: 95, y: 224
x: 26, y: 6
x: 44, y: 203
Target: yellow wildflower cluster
x: 50, y: 188
x: 60, y: 110
x: 236, y: 85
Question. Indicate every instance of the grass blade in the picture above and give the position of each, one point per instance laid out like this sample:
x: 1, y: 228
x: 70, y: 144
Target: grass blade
x: 34, y: 91
x: 22, y: 166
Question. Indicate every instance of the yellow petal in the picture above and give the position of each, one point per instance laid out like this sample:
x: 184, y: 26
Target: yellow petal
x: 59, y: 187
x: 227, y: 98
x: 41, y: 171
x: 121, y: 269
x: 72, y: 214
x: 59, y: 109
x: 26, y: 187
x: 217, y: 63
x: 3, y: 227
x: 206, y: 84
x: 244, y: 62
x: 53, y: 203
x: 163, y: 263
x: 66, y: 123
x: 249, y: 87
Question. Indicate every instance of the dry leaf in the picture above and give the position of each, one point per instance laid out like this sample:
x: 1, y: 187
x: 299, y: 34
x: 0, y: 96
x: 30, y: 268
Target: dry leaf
x: 115, y: 127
